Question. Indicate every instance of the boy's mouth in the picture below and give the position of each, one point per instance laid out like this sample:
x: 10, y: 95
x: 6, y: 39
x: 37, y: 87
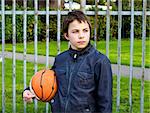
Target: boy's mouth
x: 81, y: 42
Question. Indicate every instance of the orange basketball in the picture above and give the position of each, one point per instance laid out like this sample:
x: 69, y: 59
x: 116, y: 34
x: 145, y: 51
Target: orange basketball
x: 43, y: 85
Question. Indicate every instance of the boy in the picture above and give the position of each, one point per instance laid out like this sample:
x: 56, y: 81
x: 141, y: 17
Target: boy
x: 84, y: 75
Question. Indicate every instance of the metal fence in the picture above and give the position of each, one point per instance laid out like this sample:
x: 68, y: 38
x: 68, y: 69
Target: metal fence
x: 144, y: 13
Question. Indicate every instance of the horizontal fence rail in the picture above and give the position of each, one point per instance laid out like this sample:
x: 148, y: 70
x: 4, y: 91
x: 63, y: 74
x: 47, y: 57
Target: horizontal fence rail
x: 59, y: 13
x: 66, y: 12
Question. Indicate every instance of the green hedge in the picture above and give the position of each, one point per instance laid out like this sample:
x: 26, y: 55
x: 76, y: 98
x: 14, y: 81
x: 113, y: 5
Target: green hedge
x: 53, y: 27
x: 126, y: 20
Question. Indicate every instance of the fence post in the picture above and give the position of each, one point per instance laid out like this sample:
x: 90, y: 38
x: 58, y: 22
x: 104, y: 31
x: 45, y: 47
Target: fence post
x: 35, y: 45
x: 131, y: 54
x: 70, y: 5
x: 58, y: 26
x: 143, y: 55
x: 107, y: 28
x: 3, y: 56
x: 82, y: 5
x: 25, y: 46
x: 47, y: 43
x: 119, y: 52
x: 14, y: 58
x: 95, y: 23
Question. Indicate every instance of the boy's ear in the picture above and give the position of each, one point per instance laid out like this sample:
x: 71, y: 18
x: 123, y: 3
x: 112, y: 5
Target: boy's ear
x: 66, y: 36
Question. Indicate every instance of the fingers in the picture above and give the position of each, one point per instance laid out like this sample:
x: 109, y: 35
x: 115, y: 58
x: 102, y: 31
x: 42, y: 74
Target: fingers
x: 28, y: 96
x: 28, y: 100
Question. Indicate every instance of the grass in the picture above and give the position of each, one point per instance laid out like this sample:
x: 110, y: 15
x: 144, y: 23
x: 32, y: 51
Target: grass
x: 19, y: 87
x: 101, y: 45
x: 124, y: 100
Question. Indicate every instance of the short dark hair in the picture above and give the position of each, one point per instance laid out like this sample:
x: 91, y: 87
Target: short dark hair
x: 74, y: 15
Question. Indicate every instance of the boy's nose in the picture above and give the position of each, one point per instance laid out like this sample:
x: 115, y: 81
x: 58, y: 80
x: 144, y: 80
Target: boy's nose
x: 81, y: 35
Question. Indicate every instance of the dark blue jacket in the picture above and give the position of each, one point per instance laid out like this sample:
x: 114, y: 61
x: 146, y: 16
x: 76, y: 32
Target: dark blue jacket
x: 84, y: 82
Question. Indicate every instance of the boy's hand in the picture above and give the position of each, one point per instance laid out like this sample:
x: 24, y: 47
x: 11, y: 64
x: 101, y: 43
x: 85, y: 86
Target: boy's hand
x: 28, y: 96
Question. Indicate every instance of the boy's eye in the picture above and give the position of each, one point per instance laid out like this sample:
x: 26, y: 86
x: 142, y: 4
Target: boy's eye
x: 85, y: 30
x: 75, y: 31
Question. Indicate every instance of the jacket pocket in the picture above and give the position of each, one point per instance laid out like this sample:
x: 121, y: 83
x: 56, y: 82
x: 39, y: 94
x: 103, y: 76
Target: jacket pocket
x: 85, y: 107
x: 61, y: 81
x: 85, y: 80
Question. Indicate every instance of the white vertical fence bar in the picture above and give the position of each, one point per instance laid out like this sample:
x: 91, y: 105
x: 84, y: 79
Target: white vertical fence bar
x: 143, y: 54
x: 95, y: 24
x: 82, y: 5
x: 25, y: 46
x: 3, y: 56
x: 131, y: 54
x: 47, y: 43
x: 70, y: 9
x: 107, y: 27
x: 14, y: 57
x: 70, y: 5
x: 119, y: 54
x: 35, y: 44
x: 58, y: 26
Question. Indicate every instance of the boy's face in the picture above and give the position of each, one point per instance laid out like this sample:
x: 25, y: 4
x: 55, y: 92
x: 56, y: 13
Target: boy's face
x: 78, y: 34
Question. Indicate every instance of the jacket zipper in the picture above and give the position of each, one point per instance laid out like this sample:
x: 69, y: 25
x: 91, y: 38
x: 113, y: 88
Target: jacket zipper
x: 70, y: 77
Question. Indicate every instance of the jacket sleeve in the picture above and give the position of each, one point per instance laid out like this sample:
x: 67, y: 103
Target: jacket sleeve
x: 103, y: 73
x: 54, y: 65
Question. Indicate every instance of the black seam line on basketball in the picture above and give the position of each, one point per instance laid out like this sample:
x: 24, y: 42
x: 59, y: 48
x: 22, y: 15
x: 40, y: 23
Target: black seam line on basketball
x: 41, y: 83
x: 51, y: 91
x: 52, y: 88
x: 35, y: 92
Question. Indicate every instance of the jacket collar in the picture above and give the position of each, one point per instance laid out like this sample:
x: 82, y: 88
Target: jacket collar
x: 74, y: 53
